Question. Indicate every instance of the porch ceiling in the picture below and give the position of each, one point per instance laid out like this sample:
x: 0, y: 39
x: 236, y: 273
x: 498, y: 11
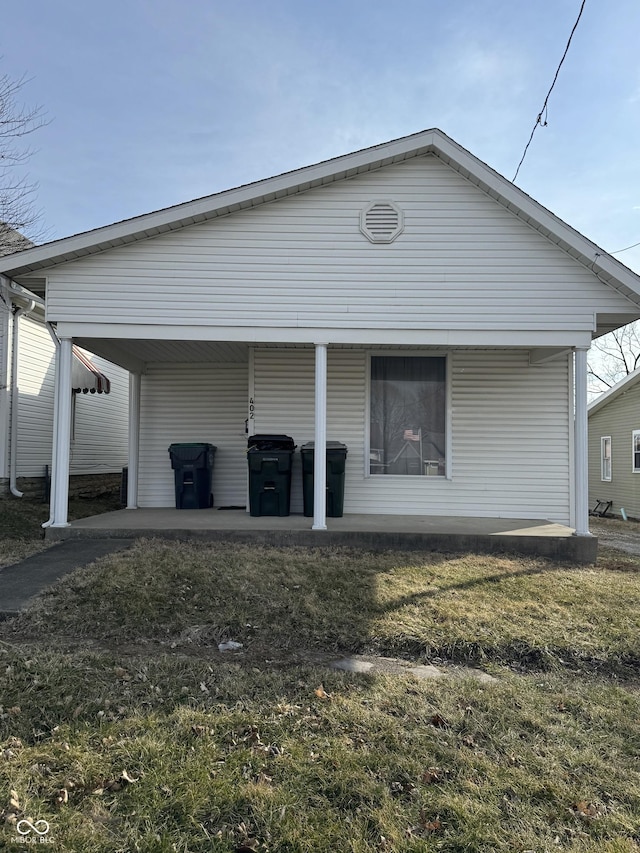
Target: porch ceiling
x: 124, y: 351
x: 134, y: 354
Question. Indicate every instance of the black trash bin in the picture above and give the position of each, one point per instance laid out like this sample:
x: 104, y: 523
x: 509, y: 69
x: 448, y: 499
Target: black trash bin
x: 336, y: 459
x: 270, y: 458
x: 193, y: 469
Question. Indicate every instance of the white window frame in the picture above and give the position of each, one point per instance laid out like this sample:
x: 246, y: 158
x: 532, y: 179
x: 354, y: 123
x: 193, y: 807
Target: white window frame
x: 407, y: 353
x: 634, y: 434
x: 605, y: 441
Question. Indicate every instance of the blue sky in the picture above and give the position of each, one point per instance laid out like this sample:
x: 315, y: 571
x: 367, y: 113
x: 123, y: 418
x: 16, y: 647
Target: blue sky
x: 154, y: 102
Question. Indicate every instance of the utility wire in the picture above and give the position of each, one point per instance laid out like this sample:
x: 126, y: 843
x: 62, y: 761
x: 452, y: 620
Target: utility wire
x: 624, y: 250
x: 544, y: 106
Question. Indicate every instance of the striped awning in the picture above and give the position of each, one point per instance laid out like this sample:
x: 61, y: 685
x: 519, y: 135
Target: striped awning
x: 85, y: 376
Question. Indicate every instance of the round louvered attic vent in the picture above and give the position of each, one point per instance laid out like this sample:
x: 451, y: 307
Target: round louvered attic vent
x: 381, y: 221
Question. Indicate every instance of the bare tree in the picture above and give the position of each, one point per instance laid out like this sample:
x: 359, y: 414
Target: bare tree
x: 613, y: 357
x: 18, y: 216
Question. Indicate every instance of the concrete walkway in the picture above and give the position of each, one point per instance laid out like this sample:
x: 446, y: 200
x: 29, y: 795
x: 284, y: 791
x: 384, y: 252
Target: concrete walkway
x: 23, y: 581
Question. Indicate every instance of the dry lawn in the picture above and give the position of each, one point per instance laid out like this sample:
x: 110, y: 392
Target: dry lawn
x: 124, y: 727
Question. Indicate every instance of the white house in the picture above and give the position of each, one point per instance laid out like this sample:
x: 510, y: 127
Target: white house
x: 404, y: 299
x: 99, y: 401
x: 614, y: 447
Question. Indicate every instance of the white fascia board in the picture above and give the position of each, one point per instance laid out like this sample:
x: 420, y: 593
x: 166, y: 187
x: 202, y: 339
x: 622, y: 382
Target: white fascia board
x: 619, y: 388
x: 258, y: 334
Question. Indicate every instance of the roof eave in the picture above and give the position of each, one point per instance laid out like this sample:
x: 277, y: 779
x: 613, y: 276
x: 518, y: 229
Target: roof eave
x: 220, y: 204
x: 619, y: 388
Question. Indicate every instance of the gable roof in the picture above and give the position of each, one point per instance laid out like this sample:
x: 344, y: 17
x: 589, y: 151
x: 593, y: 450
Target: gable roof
x: 620, y: 388
x: 434, y: 141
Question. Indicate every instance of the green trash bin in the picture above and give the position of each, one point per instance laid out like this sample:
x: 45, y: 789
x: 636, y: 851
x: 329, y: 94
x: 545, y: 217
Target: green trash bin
x: 336, y: 461
x: 192, y: 465
x: 270, y: 458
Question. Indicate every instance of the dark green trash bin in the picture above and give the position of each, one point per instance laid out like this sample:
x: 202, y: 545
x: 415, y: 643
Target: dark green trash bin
x: 193, y: 470
x: 270, y: 458
x: 336, y: 460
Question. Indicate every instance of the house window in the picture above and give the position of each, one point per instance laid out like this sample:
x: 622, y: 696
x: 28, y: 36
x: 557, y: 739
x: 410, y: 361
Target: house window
x: 605, y: 457
x: 407, y: 415
x: 636, y: 451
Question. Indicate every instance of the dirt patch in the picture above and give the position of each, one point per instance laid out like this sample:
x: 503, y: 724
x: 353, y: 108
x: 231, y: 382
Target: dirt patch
x: 621, y: 535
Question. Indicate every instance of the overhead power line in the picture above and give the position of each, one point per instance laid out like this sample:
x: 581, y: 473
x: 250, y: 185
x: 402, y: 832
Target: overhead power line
x: 626, y: 249
x: 539, y: 120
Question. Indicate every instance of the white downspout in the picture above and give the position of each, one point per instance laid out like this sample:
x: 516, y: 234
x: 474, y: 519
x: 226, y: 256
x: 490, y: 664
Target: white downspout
x: 15, y: 397
x: 54, y: 438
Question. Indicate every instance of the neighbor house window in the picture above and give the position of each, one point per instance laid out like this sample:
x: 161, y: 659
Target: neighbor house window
x: 407, y: 417
x: 605, y: 457
x: 636, y: 451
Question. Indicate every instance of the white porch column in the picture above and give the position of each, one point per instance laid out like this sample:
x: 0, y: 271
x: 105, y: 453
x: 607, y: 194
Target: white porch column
x: 580, y: 444
x: 134, y: 440
x: 320, y: 452
x: 62, y: 421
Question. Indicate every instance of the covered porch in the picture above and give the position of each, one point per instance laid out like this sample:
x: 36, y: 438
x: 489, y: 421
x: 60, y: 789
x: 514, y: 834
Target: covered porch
x: 405, y: 532
x: 495, y: 402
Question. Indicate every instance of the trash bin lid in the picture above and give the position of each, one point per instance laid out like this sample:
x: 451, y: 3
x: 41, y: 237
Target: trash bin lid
x: 190, y: 444
x: 190, y: 451
x: 266, y: 441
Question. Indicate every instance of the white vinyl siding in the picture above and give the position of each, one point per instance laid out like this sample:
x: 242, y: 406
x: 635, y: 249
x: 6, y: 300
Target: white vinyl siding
x: 102, y: 425
x: 510, y: 433
x: 36, y: 375
x: 462, y: 262
x: 100, y: 443
x: 284, y: 403
x: 605, y: 458
x: 193, y: 403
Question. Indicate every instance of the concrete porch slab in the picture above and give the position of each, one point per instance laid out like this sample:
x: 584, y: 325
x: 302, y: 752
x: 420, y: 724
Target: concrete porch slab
x: 405, y: 532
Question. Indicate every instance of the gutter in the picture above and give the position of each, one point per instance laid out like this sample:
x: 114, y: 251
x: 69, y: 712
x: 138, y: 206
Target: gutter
x: 22, y: 292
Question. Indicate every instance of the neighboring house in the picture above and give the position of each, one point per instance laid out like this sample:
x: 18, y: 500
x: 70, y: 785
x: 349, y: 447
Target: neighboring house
x: 614, y: 447
x: 404, y: 299
x: 99, y: 423
x: 12, y: 240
